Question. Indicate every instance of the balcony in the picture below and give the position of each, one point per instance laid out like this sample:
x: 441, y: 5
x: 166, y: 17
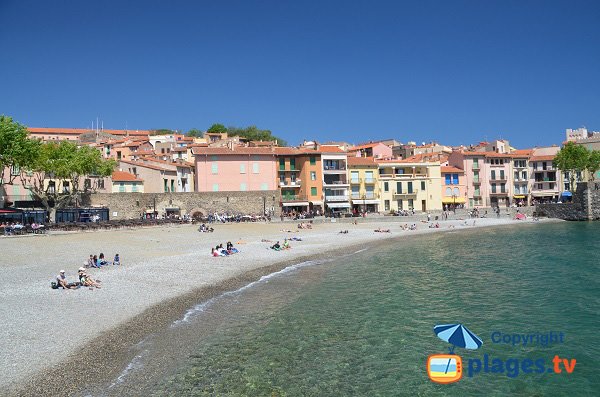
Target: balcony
x: 288, y: 198
x: 498, y: 179
x: 290, y: 183
x: 366, y: 196
x: 401, y: 176
x: 334, y: 169
x: 476, y: 166
x: 355, y: 181
x: 336, y: 197
x: 402, y: 195
x: 477, y: 181
x: 334, y: 184
x: 369, y: 181
x: 498, y: 193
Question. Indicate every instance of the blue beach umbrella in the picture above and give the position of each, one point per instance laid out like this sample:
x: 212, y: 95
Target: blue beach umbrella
x: 457, y: 335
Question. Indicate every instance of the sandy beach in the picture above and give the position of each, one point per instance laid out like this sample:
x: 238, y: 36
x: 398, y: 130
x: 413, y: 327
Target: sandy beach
x: 52, y: 337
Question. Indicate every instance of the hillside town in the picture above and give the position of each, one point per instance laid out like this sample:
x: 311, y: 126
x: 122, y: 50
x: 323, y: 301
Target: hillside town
x: 314, y: 178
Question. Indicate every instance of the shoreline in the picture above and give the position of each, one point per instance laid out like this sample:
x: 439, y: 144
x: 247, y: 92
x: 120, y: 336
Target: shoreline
x: 111, y: 347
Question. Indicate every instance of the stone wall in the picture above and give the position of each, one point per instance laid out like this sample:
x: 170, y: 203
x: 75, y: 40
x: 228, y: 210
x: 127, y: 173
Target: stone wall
x: 585, y: 205
x: 133, y: 205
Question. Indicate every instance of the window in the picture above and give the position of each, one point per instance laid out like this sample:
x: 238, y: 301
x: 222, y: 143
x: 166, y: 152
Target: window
x: 456, y: 192
x: 400, y: 205
x: 281, y: 164
x: 399, y: 187
x: 411, y: 204
x: 255, y: 168
x: 313, y: 191
x: 100, y: 183
x: 215, y: 187
x: 354, y: 176
x: 14, y: 170
x: 87, y: 183
x: 293, y: 177
x: 313, y: 160
x: 214, y: 168
x: 369, y: 177
x: 410, y: 187
x: 493, y: 188
x: 134, y: 187
x: 448, y: 179
x: 66, y: 187
x: 355, y: 192
x: 455, y: 179
x: 386, y: 205
x: 166, y: 185
x: 121, y: 187
x: 477, y: 192
x: 264, y: 186
x: 493, y: 174
x: 501, y: 174
x: 242, y: 187
x: 448, y: 191
x: 242, y: 168
x: 386, y: 187
x: 282, y: 177
x: 313, y: 175
x: 516, y: 175
x: 292, y: 164
x: 524, y: 175
x: 422, y: 185
x: 476, y: 176
x: 370, y: 192
x: 503, y: 188
x: 172, y: 185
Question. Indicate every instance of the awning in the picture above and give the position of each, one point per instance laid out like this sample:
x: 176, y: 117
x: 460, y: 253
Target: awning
x: 338, y: 205
x: 542, y: 194
x: 450, y: 200
x: 172, y: 209
x: 316, y: 202
x: 519, y: 196
x: 567, y: 194
x: 374, y: 201
x: 296, y: 204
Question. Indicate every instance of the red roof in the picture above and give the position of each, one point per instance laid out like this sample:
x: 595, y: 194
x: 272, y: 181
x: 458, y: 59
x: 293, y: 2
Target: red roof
x: 360, y: 161
x: 79, y: 131
x: 543, y: 158
x: 122, y: 176
x: 446, y: 170
x: 236, y: 151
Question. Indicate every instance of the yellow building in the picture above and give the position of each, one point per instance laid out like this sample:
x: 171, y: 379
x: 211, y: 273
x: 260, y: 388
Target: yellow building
x: 364, y: 176
x: 408, y: 185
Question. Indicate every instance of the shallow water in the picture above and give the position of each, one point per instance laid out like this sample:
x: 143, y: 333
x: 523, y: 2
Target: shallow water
x: 363, y: 324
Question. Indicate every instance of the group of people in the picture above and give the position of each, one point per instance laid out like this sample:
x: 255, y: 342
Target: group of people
x: 100, y: 260
x: 11, y: 228
x: 380, y: 230
x: 279, y: 247
x: 85, y: 280
x: 205, y: 229
x: 303, y: 225
x: 407, y: 227
x: 434, y: 226
x: 220, y: 251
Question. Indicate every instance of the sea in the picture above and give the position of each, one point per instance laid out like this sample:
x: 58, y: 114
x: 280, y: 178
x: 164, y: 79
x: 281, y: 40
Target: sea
x: 362, y: 323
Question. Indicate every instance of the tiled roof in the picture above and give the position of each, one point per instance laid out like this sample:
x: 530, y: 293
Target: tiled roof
x: 150, y: 166
x: 330, y: 149
x: 451, y: 169
x: 79, y: 131
x: 542, y: 158
x: 365, y: 146
x: 236, y: 151
x: 360, y: 161
x: 122, y: 176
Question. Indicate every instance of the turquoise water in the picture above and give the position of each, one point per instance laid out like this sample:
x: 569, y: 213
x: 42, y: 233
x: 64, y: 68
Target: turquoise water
x: 363, y: 325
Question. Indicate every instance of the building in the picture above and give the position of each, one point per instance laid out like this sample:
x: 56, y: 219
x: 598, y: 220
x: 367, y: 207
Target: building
x: 454, y: 189
x: 234, y: 168
x: 157, y: 178
x: 374, y: 149
x: 75, y: 134
x: 408, y: 185
x: 545, y: 178
x: 124, y: 182
x: 364, y: 187
x: 521, y: 186
x: 335, y: 179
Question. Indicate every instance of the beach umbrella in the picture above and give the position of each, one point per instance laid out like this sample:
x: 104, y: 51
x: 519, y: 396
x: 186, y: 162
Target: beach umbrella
x: 457, y: 335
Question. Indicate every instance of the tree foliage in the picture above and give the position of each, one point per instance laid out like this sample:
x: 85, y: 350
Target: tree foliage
x: 17, y: 150
x: 196, y: 133
x: 63, y: 162
x: 217, y: 129
x: 573, y: 158
x: 162, y: 131
x: 251, y: 133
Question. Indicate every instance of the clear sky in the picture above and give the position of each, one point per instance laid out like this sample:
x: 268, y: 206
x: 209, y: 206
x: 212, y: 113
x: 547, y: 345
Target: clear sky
x: 451, y: 71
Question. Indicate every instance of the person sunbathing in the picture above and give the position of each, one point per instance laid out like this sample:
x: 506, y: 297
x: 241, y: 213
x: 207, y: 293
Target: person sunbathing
x: 117, y: 260
x: 61, y: 281
x: 86, y: 280
x: 276, y: 246
x: 286, y: 244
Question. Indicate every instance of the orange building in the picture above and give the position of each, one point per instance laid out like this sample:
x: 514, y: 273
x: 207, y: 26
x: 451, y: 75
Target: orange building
x: 299, y: 178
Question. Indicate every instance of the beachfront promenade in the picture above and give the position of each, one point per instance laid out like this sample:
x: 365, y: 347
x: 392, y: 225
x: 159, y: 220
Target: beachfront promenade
x: 165, y: 271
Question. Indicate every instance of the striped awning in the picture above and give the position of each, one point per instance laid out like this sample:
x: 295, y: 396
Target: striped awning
x: 296, y: 204
x: 338, y: 205
x: 450, y: 200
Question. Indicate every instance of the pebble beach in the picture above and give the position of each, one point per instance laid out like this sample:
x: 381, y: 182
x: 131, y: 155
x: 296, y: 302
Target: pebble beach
x: 56, y: 341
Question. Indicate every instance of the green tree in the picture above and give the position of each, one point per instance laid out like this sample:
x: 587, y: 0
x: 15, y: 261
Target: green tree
x: 253, y: 133
x: 593, y: 164
x: 17, y: 150
x: 162, y: 131
x: 194, y: 132
x: 56, y: 177
x: 572, y: 158
x: 217, y: 129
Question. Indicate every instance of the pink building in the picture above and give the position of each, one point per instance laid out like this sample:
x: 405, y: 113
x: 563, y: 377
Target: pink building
x: 454, y: 189
x: 376, y: 150
x: 475, y: 176
x: 235, y: 168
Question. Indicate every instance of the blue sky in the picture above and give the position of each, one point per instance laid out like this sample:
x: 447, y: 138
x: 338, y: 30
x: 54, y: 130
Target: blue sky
x: 451, y: 71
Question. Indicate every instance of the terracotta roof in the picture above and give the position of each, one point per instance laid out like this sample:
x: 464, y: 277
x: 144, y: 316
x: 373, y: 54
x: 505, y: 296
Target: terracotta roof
x: 237, y: 151
x: 542, y: 158
x: 141, y: 164
x: 122, y: 176
x: 79, y: 131
x: 286, y: 151
x: 166, y: 162
x: 330, y: 149
x: 522, y: 152
x: 360, y: 161
x: 179, y: 149
x: 451, y: 169
x: 364, y: 146
x: 498, y: 155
